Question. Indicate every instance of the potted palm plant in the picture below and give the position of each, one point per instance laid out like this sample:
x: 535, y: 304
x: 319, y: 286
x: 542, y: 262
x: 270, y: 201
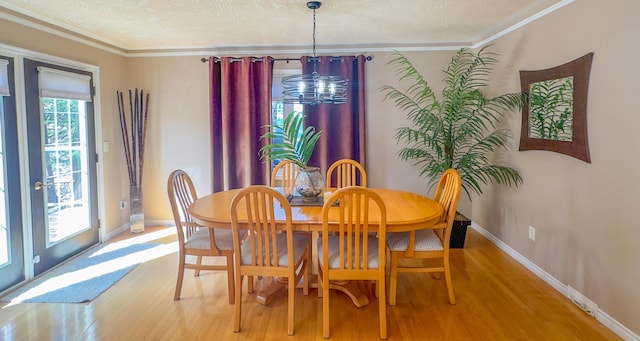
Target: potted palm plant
x: 458, y: 129
x: 293, y: 142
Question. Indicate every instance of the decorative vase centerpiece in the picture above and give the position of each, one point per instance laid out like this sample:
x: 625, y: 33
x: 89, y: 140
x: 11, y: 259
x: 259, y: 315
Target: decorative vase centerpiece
x: 134, y: 133
x: 309, y: 183
x: 297, y: 145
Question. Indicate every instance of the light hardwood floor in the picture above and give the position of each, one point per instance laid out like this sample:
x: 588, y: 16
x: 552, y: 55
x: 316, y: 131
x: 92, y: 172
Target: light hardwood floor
x: 497, y: 299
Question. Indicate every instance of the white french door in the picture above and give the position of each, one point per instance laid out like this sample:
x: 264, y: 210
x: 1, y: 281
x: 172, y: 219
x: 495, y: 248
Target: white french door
x: 49, y: 209
x: 12, y: 263
x: 62, y: 162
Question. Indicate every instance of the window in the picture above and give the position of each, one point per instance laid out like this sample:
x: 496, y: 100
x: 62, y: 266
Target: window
x: 63, y: 97
x: 280, y: 110
x: 66, y: 159
x: 4, y: 231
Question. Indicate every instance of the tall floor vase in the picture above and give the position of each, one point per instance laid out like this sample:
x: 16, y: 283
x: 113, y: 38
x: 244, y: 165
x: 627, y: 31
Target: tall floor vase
x: 133, y: 141
x: 136, y: 220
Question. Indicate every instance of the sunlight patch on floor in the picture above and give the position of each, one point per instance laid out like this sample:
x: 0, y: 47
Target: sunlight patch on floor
x: 78, y: 276
x: 148, y: 236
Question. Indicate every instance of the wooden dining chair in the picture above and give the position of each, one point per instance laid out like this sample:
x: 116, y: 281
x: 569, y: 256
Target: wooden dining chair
x: 347, y: 173
x: 196, y: 240
x: 288, y: 170
x: 356, y: 251
x: 429, y: 243
x: 270, y: 249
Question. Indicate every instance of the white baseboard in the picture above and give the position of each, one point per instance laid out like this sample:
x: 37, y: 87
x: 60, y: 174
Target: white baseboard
x: 124, y: 227
x: 120, y: 229
x: 159, y: 223
x: 602, y: 317
x: 616, y: 326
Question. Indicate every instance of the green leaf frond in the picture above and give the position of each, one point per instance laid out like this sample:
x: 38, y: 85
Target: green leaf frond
x: 297, y: 143
x: 418, y: 95
x: 459, y: 128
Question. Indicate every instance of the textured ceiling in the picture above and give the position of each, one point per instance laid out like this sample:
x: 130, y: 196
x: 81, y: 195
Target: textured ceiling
x: 250, y: 25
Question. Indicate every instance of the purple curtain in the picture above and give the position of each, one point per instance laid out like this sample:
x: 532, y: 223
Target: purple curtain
x: 342, y: 125
x: 240, y: 107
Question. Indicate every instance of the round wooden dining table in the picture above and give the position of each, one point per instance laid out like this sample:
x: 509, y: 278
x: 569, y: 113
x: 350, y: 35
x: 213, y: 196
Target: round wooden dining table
x: 406, y: 211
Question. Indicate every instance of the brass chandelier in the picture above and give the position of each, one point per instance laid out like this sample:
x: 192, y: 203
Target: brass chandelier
x: 314, y: 89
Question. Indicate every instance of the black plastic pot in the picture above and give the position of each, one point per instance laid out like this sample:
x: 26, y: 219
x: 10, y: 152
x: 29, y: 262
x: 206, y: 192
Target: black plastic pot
x: 459, y: 231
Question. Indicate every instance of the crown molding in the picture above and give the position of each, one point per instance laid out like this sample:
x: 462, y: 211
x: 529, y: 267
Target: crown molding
x: 111, y: 47
x: 484, y: 41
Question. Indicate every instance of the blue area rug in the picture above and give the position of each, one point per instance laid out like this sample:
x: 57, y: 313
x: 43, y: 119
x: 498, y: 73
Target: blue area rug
x: 85, y: 277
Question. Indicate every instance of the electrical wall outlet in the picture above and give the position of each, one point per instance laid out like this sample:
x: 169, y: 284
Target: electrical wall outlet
x: 532, y: 233
x: 123, y: 204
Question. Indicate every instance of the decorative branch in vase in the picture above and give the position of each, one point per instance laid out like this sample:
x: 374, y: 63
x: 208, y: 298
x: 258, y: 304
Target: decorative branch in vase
x: 293, y: 142
x: 134, y: 133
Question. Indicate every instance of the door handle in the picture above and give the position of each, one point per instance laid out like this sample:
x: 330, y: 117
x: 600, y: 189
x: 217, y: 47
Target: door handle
x: 38, y: 185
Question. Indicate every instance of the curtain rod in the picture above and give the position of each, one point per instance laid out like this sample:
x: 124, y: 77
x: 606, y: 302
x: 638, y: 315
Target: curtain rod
x: 217, y: 60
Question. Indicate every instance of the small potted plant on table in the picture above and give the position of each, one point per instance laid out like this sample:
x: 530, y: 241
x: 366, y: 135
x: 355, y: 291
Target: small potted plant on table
x: 293, y: 142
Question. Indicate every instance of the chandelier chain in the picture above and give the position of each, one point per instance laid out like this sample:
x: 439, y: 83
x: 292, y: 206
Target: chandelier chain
x: 314, y: 33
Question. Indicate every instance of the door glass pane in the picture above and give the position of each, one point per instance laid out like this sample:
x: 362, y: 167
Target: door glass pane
x: 4, y: 231
x: 66, y: 168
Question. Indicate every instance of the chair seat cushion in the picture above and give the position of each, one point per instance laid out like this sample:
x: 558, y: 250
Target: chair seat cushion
x: 300, y: 243
x: 200, y: 239
x: 334, y: 252
x: 426, y: 240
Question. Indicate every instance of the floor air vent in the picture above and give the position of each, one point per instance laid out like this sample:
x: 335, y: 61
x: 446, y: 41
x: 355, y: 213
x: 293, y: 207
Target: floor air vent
x: 582, y: 302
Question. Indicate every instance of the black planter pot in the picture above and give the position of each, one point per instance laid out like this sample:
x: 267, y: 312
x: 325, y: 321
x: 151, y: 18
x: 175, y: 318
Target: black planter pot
x: 459, y: 231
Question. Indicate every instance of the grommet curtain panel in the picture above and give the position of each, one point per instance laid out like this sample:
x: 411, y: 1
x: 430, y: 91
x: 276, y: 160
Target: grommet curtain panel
x: 240, y: 95
x: 240, y: 107
x: 342, y: 125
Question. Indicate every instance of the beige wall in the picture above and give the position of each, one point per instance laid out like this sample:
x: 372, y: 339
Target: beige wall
x: 585, y: 237
x: 178, y: 131
x: 44, y: 46
x: 585, y: 234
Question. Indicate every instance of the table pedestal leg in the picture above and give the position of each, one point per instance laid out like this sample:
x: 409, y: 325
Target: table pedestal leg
x: 269, y: 287
x: 351, y: 289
